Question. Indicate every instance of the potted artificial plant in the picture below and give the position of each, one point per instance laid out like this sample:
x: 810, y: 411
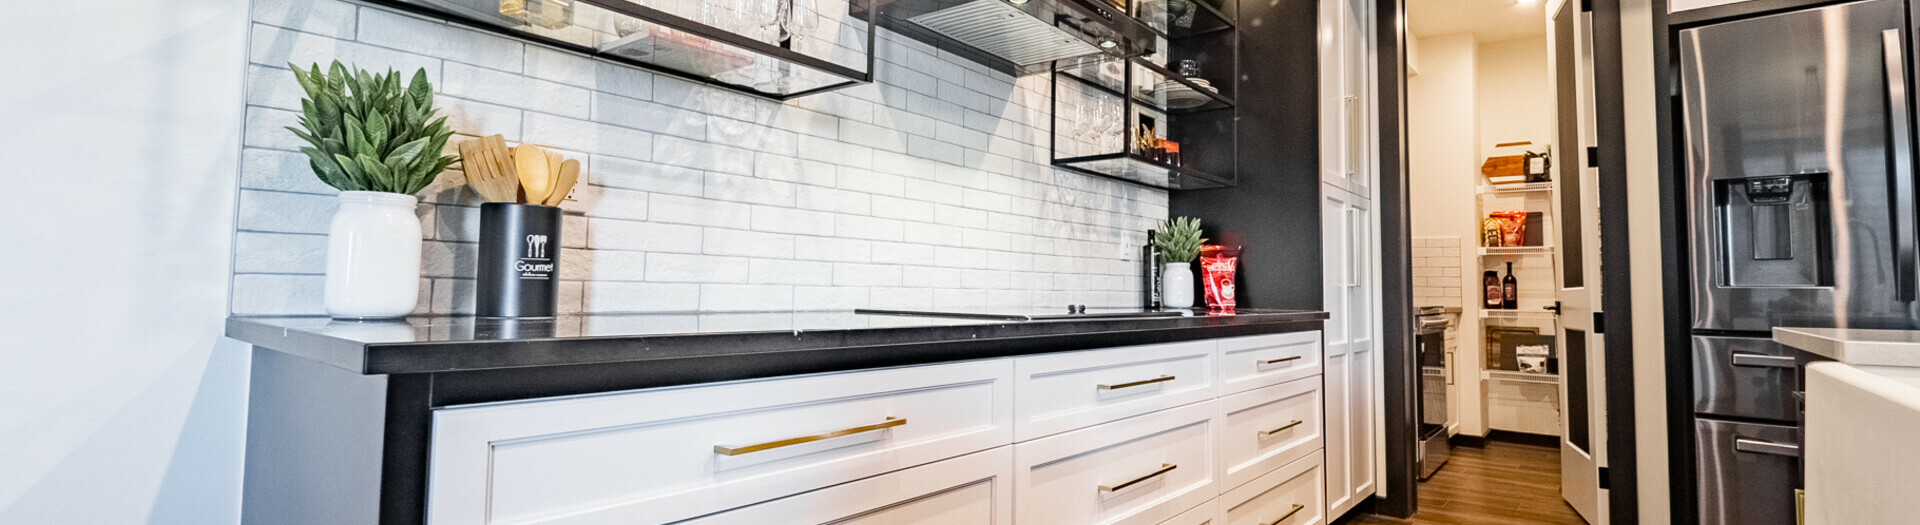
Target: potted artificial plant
x: 379, y: 144
x: 1179, y: 242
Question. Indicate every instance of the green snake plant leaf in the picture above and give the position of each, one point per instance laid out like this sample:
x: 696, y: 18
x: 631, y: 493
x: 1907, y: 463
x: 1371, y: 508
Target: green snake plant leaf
x: 376, y: 132
x: 360, y: 180
x: 382, y: 177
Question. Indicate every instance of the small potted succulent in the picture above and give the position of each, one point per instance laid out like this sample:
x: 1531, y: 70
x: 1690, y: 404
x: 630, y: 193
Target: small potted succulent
x: 1179, y: 242
x: 379, y: 143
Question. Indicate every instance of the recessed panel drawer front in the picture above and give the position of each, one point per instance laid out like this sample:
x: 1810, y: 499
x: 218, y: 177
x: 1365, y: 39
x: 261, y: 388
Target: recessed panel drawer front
x: 1264, y: 429
x: 975, y: 489
x: 1137, y: 471
x: 1745, y: 377
x: 1291, y: 495
x: 1061, y: 392
x: 1247, y: 363
x: 665, y: 455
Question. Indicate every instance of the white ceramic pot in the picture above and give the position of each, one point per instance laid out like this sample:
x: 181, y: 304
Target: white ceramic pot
x: 1176, y: 285
x: 373, y: 256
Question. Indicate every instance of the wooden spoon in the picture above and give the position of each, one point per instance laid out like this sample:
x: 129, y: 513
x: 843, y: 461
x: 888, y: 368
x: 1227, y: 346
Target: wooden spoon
x: 536, y: 176
x: 563, y: 182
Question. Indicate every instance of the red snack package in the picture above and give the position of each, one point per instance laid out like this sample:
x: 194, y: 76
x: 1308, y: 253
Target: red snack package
x: 1217, y: 265
x: 1513, y: 227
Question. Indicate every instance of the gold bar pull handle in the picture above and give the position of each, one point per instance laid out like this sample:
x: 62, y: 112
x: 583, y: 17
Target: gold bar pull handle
x: 770, y: 445
x: 1283, y: 428
x: 1143, y: 382
x: 1164, y: 468
x: 1283, y: 517
x: 1271, y: 362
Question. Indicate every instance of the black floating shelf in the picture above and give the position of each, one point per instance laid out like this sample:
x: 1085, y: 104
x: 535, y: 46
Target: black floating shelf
x: 630, y: 32
x: 1134, y: 168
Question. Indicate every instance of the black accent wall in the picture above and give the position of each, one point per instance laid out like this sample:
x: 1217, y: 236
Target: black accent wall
x: 1275, y: 211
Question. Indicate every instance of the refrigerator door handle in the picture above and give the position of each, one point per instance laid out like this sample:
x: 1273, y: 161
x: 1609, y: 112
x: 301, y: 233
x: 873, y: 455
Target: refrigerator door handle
x: 1765, y: 447
x: 1902, y: 157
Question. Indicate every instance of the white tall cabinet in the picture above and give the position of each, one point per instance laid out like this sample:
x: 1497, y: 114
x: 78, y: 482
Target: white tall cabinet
x: 1348, y: 225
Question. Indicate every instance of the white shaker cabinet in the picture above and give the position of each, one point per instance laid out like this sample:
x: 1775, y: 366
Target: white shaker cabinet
x: 1352, y: 367
x: 1351, y: 364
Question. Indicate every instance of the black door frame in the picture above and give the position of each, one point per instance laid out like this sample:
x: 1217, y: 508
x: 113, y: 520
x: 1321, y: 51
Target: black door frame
x: 1620, y: 477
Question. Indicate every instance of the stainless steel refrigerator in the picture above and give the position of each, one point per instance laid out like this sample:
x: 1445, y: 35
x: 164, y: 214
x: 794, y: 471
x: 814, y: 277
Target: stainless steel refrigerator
x: 1800, y: 202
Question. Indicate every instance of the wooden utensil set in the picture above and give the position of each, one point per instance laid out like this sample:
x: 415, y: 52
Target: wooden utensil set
x: 525, y: 174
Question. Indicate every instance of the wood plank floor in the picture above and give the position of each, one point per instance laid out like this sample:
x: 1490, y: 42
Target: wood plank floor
x: 1501, y: 484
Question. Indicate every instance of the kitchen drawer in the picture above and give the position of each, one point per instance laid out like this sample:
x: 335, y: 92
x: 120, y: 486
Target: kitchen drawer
x: 1746, y: 472
x: 659, y: 456
x: 1745, y: 377
x: 1136, y: 471
x: 1263, y: 429
x: 1291, y: 495
x: 1061, y: 392
x: 1206, y: 514
x: 975, y: 489
x: 1247, y: 363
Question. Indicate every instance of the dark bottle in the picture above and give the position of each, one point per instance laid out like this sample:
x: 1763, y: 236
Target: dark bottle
x: 1150, y: 272
x: 1509, y: 290
x: 1490, y: 285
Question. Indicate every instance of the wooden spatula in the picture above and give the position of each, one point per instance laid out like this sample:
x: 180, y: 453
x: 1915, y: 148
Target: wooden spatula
x: 484, y: 173
x: 536, y: 175
x: 568, y: 174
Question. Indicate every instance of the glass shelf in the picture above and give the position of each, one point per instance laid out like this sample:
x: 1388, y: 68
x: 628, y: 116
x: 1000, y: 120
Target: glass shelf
x: 1163, y: 16
x: 1134, y: 168
x: 1151, y: 85
x: 1021, y: 37
x: 829, y: 45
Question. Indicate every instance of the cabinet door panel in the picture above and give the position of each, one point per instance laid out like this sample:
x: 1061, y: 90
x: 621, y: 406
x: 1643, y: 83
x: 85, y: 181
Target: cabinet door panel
x: 657, y: 456
x: 1137, y: 471
x: 976, y: 489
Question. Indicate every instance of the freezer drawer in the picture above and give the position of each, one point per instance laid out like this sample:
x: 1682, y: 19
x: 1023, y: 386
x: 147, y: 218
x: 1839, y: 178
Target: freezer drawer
x: 1747, y: 472
x: 1744, y: 377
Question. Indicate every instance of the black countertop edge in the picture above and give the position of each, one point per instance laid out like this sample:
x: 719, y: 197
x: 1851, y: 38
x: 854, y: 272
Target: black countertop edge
x: 882, y: 346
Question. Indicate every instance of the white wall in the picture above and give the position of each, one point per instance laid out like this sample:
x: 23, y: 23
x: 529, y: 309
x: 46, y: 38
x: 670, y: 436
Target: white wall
x: 119, y: 403
x: 1516, y: 100
x: 930, y: 188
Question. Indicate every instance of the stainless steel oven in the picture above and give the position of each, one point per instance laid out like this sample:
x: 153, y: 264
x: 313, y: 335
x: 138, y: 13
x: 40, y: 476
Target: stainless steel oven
x: 1430, y: 337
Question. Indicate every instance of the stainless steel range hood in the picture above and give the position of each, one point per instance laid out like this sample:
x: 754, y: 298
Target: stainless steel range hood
x: 1020, y: 36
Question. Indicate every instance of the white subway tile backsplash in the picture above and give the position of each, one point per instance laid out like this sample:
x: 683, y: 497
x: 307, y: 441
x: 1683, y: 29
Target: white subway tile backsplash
x: 614, y: 172
x: 272, y: 211
x: 789, y: 220
x: 615, y: 296
x: 782, y: 271
x: 260, y: 252
x: 439, y: 39
x: 278, y: 47
x: 615, y: 234
x: 498, y: 87
x: 648, y: 116
x: 704, y: 212
x: 829, y: 297
x: 834, y: 249
x: 581, y: 135
x: 745, y: 297
x: 721, y: 241
x: 691, y: 268
x: 929, y: 188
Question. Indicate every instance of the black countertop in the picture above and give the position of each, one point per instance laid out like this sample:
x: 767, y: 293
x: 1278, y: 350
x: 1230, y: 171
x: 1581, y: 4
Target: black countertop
x: 798, y: 341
